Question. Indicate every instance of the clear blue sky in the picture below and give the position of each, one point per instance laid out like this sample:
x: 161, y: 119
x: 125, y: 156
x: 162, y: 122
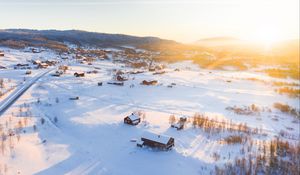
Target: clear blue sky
x: 181, y: 20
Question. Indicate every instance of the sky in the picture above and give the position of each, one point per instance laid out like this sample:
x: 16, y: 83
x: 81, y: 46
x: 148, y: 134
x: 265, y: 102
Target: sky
x: 180, y: 20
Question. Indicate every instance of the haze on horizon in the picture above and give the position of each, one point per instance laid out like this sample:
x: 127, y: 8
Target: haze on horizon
x: 184, y: 21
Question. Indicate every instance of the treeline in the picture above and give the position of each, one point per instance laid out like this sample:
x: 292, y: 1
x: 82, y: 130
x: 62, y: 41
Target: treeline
x: 57, y: 46
x: 274, y: 157
x: 285, y: 108
x: 216, y: 126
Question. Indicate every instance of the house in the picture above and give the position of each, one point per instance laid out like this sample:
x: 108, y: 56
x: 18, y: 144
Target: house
x: 152, y: 140
x: 83, y: 62
x: 1, y: 54
x: 21, y: 66
x: 51, y: 62
x: 74, y: 98
x: 116, y: 83
x: 79, y: 74
x: 132, y: 119
x: 121, y: 78
x: 92, y: 72
x: 180, y: 124
x: 137, y: 72
x: 36, y: 62
x: 151, y: 69
x: 57, y: 73
x: 42, y: 65
x: 153, y: 82
x: 63, y: 67
x: 36, y: 50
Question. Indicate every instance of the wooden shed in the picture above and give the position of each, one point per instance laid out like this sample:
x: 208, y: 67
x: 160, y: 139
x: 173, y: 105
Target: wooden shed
x: 116, y: 83
x: 132, y: 119
x: 43, y: 65
x: 180, y: 124
x: 79, y: 74
x: 153, y: 140
x: 74, y: 98
x: 152, y: 82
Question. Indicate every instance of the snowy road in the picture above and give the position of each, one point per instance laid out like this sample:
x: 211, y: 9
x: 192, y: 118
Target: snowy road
x: 6, y: 103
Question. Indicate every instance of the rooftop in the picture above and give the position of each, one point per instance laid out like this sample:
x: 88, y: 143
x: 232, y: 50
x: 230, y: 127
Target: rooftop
x: 156, y: 137
x: 133, y: 117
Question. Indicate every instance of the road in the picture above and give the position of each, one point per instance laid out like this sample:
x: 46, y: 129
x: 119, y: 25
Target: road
x: 7, y: 102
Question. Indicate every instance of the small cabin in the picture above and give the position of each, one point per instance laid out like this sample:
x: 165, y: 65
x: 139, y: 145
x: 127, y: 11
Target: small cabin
x: 57, y: 73
x: 74, y: 98
x: 151, y: 69
x: 152, y: 82
x: 180, y: 124
x: 132, y: 119
x: 51, y: 62
x: 21, y: 66
x: 152, y: 140
x: 43, y: 65
x: 121, y: 78
x: 116, y: 83
x: 63, y: 67
x: 36, y: 62
x: 1, y: 54
x: 36, y: 50
x: 79, y: 74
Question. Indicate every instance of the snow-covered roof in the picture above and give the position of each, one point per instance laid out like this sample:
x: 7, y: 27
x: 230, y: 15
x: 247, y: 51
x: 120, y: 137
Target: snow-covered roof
x: 176, y: 125
x: 79, y: 72
x: 133, y: 117
x: 156, y: 137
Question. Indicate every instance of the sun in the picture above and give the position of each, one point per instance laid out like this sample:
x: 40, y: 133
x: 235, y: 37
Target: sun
x: 266, y: 36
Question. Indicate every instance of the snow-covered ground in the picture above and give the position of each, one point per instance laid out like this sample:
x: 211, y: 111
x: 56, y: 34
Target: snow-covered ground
x: 87, y: 136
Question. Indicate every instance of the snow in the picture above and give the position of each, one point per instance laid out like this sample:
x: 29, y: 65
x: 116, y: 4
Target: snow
x: 90, y: 137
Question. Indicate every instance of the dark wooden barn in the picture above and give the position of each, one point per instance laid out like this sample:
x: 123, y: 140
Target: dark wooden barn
x: 116, y: 83
x: 79, y: 74
x: 145, y: 82
x: 156, y: 141
x: 74, y: 98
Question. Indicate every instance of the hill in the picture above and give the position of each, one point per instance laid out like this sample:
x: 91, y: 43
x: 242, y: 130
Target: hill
x: 26, y: 37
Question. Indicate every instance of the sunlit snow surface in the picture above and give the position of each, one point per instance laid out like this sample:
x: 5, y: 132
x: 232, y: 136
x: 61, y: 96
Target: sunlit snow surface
x: 90, y: 137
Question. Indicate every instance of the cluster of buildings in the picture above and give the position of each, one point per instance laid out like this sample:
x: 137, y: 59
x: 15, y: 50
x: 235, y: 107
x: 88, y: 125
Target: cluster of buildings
x: 153, y: 140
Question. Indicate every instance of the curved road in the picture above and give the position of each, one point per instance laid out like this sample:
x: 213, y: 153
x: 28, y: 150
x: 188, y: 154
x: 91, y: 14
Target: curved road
x: 8, y: 101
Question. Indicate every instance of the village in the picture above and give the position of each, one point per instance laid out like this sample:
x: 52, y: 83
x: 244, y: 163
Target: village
x: 99, y: 108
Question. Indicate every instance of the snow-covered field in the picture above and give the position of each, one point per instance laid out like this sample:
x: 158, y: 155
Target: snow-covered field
x: 88, y: 136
